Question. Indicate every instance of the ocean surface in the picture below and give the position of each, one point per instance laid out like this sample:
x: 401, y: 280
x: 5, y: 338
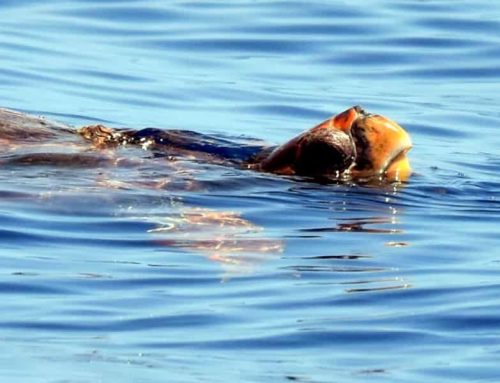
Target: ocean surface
x: 189, y: 272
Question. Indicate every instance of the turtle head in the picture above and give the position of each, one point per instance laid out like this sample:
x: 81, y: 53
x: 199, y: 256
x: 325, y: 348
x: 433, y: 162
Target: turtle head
x: 380, y: 144
x: 352, y: 142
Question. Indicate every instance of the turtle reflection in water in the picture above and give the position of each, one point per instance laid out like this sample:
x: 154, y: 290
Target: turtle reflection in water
x: 351, y: 146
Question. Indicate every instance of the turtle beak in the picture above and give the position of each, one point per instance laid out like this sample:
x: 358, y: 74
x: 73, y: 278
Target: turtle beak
x: 381, y: 148
x: 399, y: 168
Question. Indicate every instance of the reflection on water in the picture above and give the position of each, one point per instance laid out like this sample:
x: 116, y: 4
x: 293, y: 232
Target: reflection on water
x: 235, y: 243
x: 112, y: 260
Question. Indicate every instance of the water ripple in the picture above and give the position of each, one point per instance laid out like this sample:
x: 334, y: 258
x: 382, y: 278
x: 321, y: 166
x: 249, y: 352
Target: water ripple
x: 152, y: 266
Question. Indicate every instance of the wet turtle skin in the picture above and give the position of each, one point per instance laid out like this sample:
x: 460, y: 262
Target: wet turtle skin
x: 190, y: 142
x: 351, y: 143
x: 316, y: 153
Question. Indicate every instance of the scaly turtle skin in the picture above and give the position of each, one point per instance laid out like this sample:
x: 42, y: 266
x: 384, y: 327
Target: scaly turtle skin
x: 350, y: 145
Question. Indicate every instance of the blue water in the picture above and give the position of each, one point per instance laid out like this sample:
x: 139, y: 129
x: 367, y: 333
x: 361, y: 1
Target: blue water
x: 200, y: 273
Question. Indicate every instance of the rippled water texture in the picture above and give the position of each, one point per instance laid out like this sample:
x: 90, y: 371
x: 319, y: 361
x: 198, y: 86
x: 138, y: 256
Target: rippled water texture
x: 141, y: 270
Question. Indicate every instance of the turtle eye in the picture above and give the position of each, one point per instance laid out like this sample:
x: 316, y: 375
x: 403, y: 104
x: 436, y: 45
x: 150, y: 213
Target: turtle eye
x: 325, y: 152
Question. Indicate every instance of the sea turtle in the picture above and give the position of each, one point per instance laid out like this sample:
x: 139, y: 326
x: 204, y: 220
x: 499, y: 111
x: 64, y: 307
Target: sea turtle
x: 351, y: 145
